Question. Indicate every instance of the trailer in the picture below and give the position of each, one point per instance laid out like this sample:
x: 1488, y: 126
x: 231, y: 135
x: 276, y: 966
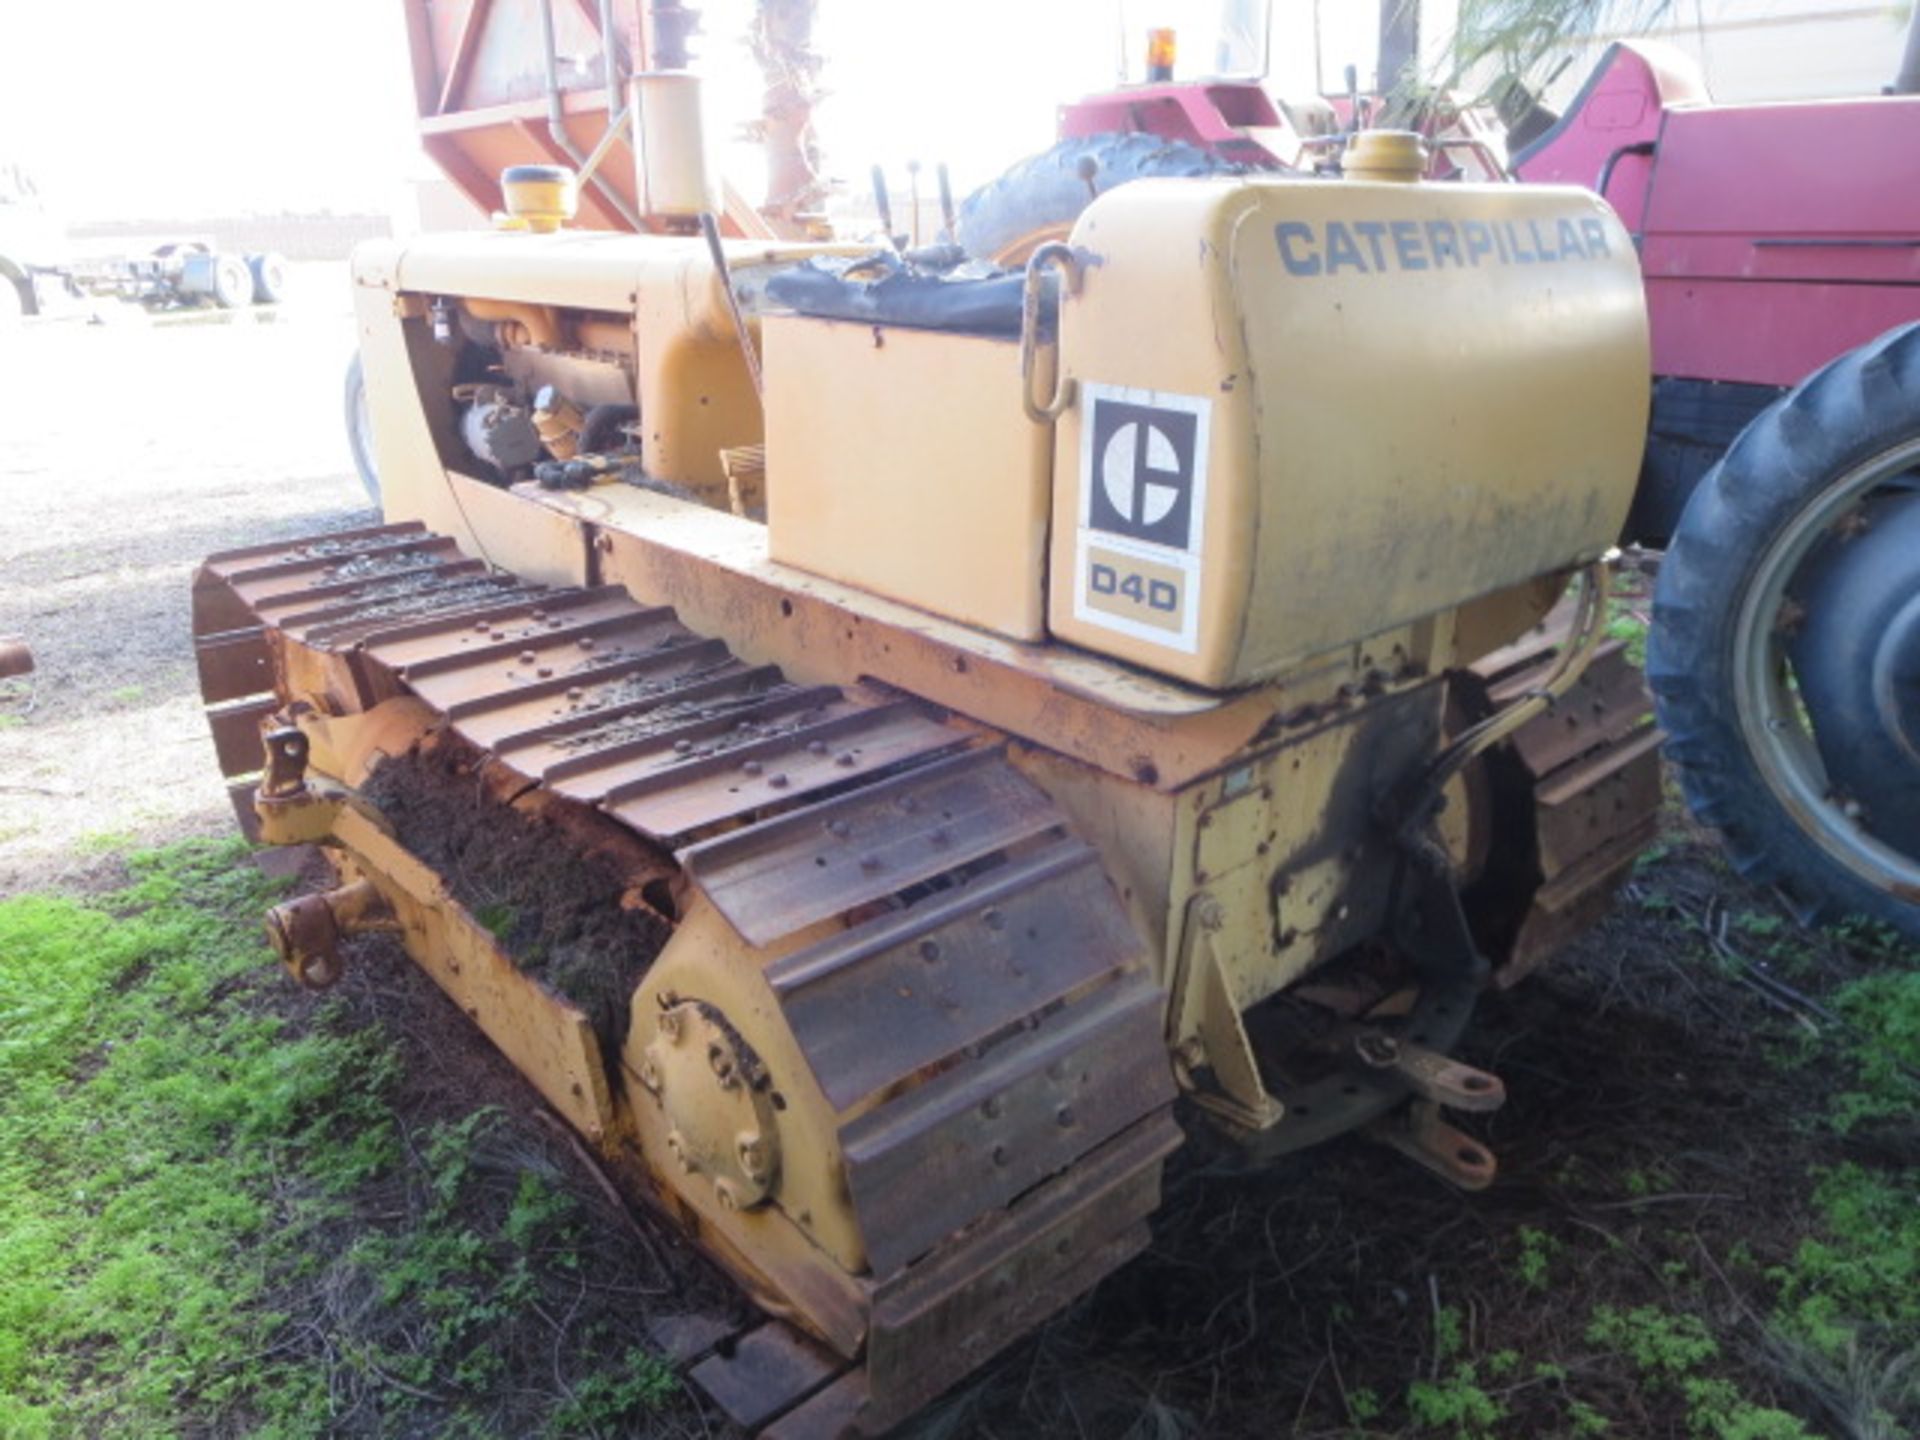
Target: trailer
x: 42, y: 273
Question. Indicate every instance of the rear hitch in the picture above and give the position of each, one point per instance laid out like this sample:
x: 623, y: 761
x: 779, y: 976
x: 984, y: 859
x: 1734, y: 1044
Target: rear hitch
x: 306, y: 933
x: 1421, y: 1133
x: 1433, y: 1077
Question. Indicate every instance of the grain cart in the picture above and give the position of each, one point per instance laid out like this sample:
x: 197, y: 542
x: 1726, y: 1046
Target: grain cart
x: 1780, y: 273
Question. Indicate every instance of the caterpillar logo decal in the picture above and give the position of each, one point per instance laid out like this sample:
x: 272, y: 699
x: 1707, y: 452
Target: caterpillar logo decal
x: 1143, y: 483
x: 1373, y: 247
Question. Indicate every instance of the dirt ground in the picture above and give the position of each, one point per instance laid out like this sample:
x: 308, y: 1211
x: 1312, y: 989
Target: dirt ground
x: 131, y: 449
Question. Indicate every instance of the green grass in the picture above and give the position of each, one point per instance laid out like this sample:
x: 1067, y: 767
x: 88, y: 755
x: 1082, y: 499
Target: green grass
x: 1884, y: 1011
x: 224, y: 1210
x: 142, y: 1124
x: 183, y: 1167
x: 1670, y: 1349
x: 1627, y: 606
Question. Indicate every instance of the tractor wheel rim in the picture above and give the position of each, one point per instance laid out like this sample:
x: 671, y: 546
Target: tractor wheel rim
x: 1772, y: 718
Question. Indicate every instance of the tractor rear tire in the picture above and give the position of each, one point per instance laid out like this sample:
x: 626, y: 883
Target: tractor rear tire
x: 1007, y: 219
x: 360, y: 431
x: 1785, y: 652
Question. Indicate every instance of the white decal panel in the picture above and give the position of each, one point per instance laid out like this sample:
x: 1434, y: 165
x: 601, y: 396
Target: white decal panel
x: 1143, y: 490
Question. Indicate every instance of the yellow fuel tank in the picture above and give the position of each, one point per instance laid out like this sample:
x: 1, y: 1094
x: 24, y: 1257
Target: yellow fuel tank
x: 1304, y: 412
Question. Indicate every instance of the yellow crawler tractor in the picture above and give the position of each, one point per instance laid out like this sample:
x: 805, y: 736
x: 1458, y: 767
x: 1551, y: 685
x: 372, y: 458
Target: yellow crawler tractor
x: 886, y: 753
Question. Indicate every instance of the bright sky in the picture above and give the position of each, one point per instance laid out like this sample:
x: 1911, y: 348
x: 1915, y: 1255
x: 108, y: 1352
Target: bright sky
x: 138, y: 109
x: 181, y: 109
x: 194, y: 108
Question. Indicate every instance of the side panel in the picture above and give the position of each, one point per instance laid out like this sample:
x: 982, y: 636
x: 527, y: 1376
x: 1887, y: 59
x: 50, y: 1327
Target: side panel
x: 1309, y: 412
x: 1776, y: 334
x: 1780, y: 236
x: 900, y: 461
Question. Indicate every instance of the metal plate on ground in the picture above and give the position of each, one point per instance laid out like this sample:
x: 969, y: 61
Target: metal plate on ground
x: 765, y: 1373
x: 297, y: 610
x: 832, y: 1414
x: 683, y: 1339
x: 236, y: 734
x: 277, y: 591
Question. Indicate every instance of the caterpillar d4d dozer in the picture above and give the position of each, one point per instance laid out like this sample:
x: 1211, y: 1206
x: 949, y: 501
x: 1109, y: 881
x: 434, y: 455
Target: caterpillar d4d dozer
x: 914, y: 740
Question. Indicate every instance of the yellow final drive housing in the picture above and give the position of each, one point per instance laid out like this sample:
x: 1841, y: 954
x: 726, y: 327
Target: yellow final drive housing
x: 1305, y: 412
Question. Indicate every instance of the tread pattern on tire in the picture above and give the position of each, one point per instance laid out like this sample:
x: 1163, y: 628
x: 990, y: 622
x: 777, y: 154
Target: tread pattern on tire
x: 1047, y: 189
x: 1854, y: 408
x: 363, y: 461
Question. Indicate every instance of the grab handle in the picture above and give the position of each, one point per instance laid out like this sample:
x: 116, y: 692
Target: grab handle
x: 1068, y: 261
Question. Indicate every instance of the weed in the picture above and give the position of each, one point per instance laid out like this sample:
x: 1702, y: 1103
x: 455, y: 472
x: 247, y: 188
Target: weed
x: 1640, y: 1182
x: 1860, y: 1279
x: 1884, y: 1010
x: 1759, y: 923
x: 1625, y: 624
x: 1364, y: 1405
x: 1583, y: 1419
x: 1670, y: 1349
x: 497, y: 918
x: 103, y: 842
x: 1873, y: 939
x: 1658, y: 1343
x: 614, y: 1399
x: 1536, y: 1255
x: 1456, y: 1406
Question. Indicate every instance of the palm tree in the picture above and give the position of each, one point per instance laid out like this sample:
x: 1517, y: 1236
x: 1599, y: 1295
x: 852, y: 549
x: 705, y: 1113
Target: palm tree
x: 1518, y: 42
x: 1526, y: 37
x: 782, y: 41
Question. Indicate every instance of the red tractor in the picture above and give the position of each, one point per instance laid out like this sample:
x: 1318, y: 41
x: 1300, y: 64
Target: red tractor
x: 1781, y: 249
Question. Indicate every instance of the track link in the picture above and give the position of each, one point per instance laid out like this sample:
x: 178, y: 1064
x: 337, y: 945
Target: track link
x: 1586, y: 779
x: 948, y: 958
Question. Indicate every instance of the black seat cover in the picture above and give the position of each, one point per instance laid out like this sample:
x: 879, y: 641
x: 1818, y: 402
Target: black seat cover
x: 887, y: 289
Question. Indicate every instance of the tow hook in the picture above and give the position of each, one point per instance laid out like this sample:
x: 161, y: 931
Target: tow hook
x: 1418, y: 1130
x: 306, y: 933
